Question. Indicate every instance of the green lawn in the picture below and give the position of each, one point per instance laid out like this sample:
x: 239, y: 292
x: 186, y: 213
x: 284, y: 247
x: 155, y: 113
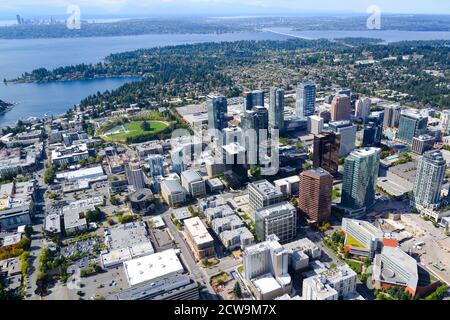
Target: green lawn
x: 133, y: 129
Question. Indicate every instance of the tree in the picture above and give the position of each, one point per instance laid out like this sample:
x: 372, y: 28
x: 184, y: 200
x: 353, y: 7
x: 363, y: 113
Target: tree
x: 114, y: 201
x: 255, y: 171
x: 50, y: 174
x: 94, y: 215
x: 237, y: 290
x: 126, y: 218
x: 145, y: 126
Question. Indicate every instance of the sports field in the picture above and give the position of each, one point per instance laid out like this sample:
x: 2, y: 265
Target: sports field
x: 132, y: 129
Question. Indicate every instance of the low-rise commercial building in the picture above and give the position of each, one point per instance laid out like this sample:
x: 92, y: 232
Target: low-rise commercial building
x: 141, y: 201
x: 153, y: 267
x: 237, y: 238
x: 193, y: 183
x: 125, y: 242
x: 52, y: 226
x: 74, y: 214
x: 17, y: 204
x: 198, y: 238
x: 394, y: 267
x: 69, y: 155
x: 172, y: 192
x: 301, y: 252
x: 177, y: 287
x: 330, y: 285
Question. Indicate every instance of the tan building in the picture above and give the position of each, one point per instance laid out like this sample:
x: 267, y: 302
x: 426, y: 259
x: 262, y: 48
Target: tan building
x: 316, y: 187
x: 172, y: 192
x: 198, y: 238
x: 341, y: 108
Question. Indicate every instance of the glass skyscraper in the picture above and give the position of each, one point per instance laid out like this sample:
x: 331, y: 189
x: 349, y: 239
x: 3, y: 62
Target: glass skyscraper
x: 305, y: 99
x: 276, y: 108
x: 360, y: 178
x: 411, y: 124
x: 217, y: 111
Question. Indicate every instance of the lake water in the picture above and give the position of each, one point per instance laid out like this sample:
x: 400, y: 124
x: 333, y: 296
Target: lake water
x: 387, y: 36
x: 18, y: 56
x: 41, y: 99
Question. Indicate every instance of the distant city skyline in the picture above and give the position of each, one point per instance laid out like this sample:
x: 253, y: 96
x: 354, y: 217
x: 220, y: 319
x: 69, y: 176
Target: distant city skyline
x: 218, y: 7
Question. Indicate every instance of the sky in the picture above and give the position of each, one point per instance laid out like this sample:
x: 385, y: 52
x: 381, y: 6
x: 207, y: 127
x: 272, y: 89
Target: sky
x: 9, y: 8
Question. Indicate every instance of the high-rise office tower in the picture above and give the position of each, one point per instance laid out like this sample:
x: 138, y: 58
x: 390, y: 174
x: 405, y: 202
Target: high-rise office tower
x: 430, y: 173
x: 316, y: 186
x: 373, y: 129
x: 254, y: 123
x: 347, y: 130
x: 134, y: 174
x: 360, y: 178
x: 392, y: 116
x: 411, y: 124
x: 341, y: 108
x: 248, y: 102
x: 258, y: 98
x: 253, y: 98
x: 217, y: 111
x: 305, y: 99
x: 326, y: 152
x: 276, y: 109
x: 362, y: 108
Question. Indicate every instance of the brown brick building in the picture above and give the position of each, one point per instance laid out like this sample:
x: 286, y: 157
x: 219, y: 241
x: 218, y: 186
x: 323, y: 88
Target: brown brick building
x: 315, y: 196
x: 341, y: 108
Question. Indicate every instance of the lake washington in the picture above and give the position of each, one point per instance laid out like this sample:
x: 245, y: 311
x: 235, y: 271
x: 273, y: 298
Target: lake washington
x: 40, y: 99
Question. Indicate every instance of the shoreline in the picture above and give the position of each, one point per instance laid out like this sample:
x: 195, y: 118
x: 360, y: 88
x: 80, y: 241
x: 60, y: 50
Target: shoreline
x: 25, y: 81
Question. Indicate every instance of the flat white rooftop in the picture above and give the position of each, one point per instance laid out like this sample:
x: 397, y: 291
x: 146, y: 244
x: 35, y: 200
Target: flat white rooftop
x: 82, y: 173
x: 197, y: 230
x: 152, y: 267
x: 266, y: 283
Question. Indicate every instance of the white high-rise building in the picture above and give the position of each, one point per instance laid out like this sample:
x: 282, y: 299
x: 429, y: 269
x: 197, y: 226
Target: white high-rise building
x: 430, y: 173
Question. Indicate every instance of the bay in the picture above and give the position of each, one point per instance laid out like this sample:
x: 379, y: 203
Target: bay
x: 40, y: 99
x: 51, y: 98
